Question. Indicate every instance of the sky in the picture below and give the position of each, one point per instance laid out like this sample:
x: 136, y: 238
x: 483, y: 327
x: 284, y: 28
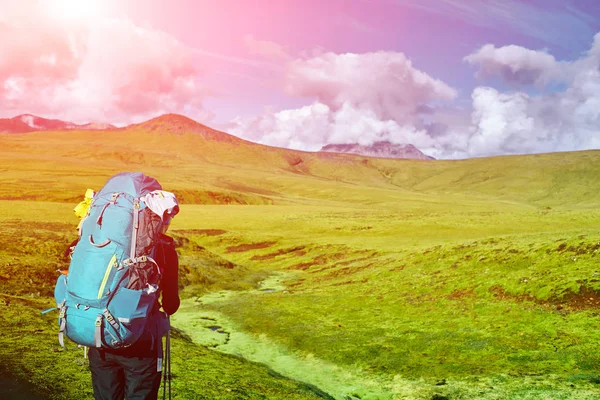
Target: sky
x: 455, y: 78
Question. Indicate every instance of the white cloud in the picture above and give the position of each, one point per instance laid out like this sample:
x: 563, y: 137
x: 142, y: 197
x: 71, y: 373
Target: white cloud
x: 517, y: 123
x: 516, y: 64
x: 501, y: 123
x: 364, y: 98
x: 100, y: 69
x: 311, y: 127
x: 301, y: 128
x: 360, y: 98
x: 383, y: 82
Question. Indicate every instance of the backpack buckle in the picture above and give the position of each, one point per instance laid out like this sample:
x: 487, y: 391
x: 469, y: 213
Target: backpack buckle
x: 98, y: 321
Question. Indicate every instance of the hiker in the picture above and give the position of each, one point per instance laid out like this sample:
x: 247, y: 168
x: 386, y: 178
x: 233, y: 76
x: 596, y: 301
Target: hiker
x: 133, y: 372
x: 123, y: 269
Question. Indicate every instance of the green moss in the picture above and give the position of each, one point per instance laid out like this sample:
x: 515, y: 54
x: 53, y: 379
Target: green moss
x: 390, y: 279
x: 35, y: 365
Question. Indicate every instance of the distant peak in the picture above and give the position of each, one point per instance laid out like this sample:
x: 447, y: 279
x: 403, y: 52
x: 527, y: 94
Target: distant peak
x: 172, y: 122
x: 380, y: 149
x: 28, y: 119
x: 178, y: 116
x: 171, y: 117
x: 44, y: 124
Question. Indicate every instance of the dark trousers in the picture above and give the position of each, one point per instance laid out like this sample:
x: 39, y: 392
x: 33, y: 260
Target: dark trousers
x: 118, y: 376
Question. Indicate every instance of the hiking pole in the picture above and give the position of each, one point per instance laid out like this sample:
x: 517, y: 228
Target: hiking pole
x: 167, y: 364
x: 164, y: 383
x: 169, y: 356
x: 164, y: 373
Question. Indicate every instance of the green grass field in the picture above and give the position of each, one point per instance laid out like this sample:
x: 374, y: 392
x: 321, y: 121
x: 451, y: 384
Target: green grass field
x: 310, y: 276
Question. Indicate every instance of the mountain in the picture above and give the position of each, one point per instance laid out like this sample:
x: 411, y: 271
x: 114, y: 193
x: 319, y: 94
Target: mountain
x: 206, y: 166
x: 11, y: 125
x: 179, y: 125
x: 39, y: 123
x: 30, y: 123
x: 382, y: 149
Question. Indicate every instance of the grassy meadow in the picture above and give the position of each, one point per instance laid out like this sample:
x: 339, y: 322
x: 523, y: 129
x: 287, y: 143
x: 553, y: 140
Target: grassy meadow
x: 322, y: 275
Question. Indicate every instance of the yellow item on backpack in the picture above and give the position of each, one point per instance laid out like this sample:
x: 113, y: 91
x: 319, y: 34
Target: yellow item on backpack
x: 81, y: 209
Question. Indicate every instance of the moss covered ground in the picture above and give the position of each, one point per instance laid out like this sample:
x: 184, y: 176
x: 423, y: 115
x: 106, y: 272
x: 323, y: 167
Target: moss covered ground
x: 309, y: 276
x: 508, y: 315
x: 35, y: 366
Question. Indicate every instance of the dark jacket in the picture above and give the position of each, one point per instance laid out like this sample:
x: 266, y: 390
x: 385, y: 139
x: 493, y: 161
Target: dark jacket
x: 168, y: 260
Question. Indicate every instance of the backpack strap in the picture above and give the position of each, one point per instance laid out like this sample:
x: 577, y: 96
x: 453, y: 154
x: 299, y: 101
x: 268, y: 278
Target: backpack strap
x: 98, y: 331
x: 136, y: 225
x: 111, y: 320
x: 113, y: 200
x: 62, y: 317
x: 91, y: 239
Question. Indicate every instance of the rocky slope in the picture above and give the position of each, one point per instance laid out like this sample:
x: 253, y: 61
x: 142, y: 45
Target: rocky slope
x: 381, y: 149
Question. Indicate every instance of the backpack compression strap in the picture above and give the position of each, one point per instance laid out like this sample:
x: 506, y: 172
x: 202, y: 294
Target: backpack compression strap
x: 63, y: 324
x: 136, y: 225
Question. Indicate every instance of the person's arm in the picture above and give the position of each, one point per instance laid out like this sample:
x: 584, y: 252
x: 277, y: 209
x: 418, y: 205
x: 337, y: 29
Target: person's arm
x: 170, y: 279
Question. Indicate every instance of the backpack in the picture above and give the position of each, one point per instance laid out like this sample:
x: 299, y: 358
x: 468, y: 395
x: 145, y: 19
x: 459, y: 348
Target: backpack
x: 113, y: 283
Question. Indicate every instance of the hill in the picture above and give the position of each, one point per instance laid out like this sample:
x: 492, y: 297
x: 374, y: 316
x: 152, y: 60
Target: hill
x: 364, y: 277
x: 179, y: 124
x: 208, y: 166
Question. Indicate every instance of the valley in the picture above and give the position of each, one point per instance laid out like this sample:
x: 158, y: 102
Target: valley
x: 392, y: 279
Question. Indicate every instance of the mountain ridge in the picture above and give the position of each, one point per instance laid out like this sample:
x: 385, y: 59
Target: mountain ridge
x: 379, y: 149
x: 234, y: 171
x: 24, y: 123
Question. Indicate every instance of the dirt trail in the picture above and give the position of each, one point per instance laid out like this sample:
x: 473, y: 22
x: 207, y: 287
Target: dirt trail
x: 215, y: 330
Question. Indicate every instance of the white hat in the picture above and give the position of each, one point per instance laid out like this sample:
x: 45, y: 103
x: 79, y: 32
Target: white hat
x: 162, y: 203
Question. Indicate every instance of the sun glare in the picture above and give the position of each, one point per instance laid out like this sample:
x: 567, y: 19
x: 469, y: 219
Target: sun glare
x: 73, y: 9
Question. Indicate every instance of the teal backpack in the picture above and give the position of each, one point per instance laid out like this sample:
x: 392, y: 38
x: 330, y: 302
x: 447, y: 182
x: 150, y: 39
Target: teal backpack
x: 112, y: 287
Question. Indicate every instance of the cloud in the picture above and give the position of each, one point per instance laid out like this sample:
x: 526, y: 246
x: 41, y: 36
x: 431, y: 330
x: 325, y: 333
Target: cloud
x: 106, y: 70
x: 359, y: 98
x: 364, y: 98
x: 516, y: 64
x: 519, y: 123
x: 311, y: 127
x: 383, y: 82
x: 110, y: 70
x: 303, y: 128
x: 501, y: 123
